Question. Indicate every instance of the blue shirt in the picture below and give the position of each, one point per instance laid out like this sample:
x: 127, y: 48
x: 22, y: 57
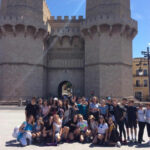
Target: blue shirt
x: 103, y: 110
x: 27, y: 127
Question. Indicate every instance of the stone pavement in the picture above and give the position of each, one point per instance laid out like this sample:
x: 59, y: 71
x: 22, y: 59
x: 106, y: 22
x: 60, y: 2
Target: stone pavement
x: 11, y: 116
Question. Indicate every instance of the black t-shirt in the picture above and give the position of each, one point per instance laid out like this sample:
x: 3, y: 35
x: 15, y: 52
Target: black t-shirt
x: 110, y: 109
x: 131, y: 111
x: 60, y: 112
x: 118, y: 112
x: 72, y: 125
x: 32, y: 110
x: 125, y: 107
x: 48, y: 126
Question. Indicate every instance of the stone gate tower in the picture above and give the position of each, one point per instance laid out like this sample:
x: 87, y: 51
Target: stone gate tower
x: 108, y: 32
x: 22, y: 31
x: 39, y: 53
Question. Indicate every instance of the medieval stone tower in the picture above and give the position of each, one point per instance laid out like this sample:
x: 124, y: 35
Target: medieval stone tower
x: 38, y: 52
x: 22, y: 33
x: 108, y: 33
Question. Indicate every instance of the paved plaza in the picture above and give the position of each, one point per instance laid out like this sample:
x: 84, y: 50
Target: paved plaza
x: 12, y: 116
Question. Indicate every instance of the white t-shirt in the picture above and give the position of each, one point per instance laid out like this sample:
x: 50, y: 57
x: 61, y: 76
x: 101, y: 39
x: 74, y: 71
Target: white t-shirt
x: 141, y: 115
x: 102, y: 128
x: 83, y: 125
x: 94, y: 106
x: 148, y: 116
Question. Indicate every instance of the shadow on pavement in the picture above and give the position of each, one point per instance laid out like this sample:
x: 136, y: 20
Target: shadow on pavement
x: 12, y: 143
x: 143, y: 146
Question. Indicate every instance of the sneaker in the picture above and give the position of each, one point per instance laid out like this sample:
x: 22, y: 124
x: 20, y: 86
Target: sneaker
x: 118, y: 144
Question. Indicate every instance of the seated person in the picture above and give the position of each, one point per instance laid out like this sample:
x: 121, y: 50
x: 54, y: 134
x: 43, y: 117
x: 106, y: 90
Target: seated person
x: 73, y: 128
x: 102, y: 131
x: 37, y: 130
x: 113, y: 135
x: 25, y: 131
x: 93, y: 125
x: 82, y: 126
x: 48, y: 130
x: 58, y: 131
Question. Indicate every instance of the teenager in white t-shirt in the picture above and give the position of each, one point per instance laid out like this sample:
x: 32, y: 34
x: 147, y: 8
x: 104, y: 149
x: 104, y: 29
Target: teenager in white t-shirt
x: 141, y: 122
x: 148, y: 121
x: 102, y: 131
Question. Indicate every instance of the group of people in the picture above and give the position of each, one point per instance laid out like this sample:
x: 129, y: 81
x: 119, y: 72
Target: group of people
x: 103, y: 122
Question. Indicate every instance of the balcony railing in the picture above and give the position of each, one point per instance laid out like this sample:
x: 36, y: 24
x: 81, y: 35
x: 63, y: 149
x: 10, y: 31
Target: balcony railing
x: 140, y: 85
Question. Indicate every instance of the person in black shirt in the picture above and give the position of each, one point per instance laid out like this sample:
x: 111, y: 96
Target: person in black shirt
x: 119, y: 114
x: 132, y: 119
x: 73, y: 126
x: 48, y: 130
x: 110, y: 110
x: 125, y: 106
x: 32, y: 109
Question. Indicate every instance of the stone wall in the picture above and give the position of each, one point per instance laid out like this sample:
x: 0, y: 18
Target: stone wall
x: 21, y: 61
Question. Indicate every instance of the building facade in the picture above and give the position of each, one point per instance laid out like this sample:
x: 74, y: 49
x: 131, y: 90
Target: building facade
x: 140, y: 79
x: 40, y: 53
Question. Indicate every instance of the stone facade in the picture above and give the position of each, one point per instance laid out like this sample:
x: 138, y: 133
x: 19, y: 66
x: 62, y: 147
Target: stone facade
x: 39, y: 51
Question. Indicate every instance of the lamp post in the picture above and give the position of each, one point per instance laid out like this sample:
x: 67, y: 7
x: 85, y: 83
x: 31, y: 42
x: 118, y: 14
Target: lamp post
x: 147, y: 55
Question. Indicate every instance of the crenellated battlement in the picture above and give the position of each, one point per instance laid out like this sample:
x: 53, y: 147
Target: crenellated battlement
x: 66, y: 19
x: 66, y: 31
x: 17, y: 25
x: 105, y: 19
x: 20, y: 20
x: 111, y: 24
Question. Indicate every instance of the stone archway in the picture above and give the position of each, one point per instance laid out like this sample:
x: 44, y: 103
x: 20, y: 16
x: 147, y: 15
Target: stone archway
x: 65, y: 89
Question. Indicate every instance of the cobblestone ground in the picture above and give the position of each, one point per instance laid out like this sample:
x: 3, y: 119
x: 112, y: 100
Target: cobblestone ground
x: 12, y: 116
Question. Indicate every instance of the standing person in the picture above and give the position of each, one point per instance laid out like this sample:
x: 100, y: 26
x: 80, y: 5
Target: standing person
x: 110, y: 109
x: 103, y: 109
x: 148, y: 121
x: 45, y: 111
x: 94, y: 108
x: 40, y: 106
x: 119, y: 114
x: 32, y: 109
x: 60, y: 111
x: 132, y: 119
x: 125, y: 107
x: 82, y: 107
x: 67, y: 112
x: 141, y: 122
x: 54, y: 106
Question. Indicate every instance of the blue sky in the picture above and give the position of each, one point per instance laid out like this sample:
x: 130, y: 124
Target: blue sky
x: 140, y: 11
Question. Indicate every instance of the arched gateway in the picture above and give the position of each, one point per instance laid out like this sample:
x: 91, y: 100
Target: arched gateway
x: 65, y: 89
